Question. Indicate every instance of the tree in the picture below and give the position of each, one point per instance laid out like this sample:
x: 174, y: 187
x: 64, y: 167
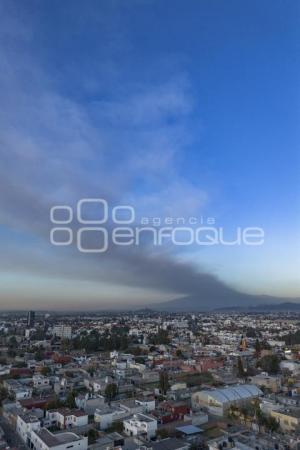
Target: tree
x: 116, y: 426
x: 272, y: 424
x: 257, y: 347
x: 70, y: 401
x: 270, y: 364
x: 161, y: 338
x: 293, y: 338
x: 91, y: 371
x: 39, y: 354
x: 162, y: 433
x: 240, y: 368
x: 12, y: 343
x: 92, y: 436
x: 164, y: 382
x: 66, y: 345
x: 54, y: 404
x: 45, y: 371
x: 3, y: 394
x: 251, y: 332
x: 111, y: 391
x: 179, y: 353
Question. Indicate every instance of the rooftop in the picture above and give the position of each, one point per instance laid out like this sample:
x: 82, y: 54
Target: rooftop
x: 189, y: 429
x: 52, y: 440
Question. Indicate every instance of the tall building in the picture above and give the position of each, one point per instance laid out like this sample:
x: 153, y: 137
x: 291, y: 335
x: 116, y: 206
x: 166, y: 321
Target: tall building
x: 63, y: 331
x: 30, y: 319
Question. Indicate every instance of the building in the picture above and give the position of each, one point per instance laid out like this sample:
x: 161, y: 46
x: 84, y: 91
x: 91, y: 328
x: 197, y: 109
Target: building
x: 272, y: 382
x: 190, y: 433
x: 45, y: 440
x: 30, y: 319
x: 65, y: 418
x: 26, y: 424
x: 168, y: 444
x: 62, y: 331
x: 288, y: 419
x: 171, y: 411
x: 40, y: 382
x: 89, y: 403
x: 231, y: 443
x: 219, y: 400
x: 17, y: 389
x: 106, y: 415
x: 141, y: 425
x: 148, y: 404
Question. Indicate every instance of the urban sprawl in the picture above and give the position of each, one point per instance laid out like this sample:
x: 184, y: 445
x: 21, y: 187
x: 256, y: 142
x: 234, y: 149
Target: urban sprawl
x: 150, y: 381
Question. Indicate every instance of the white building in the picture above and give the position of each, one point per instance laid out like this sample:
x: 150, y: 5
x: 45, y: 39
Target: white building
x: 148, y: 404
x: 66, y: 418
x: 39, y: 381
x: 292, y: 366
x: 63, y: 331
x: 105, y: 416
x: 26, y: 423
x: 141, y: 424
x: 45, y: 440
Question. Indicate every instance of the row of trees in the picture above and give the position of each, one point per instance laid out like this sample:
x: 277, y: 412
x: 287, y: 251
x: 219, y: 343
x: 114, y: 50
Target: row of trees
x: 253, y: 413
x: 268, y: 363
x: 293, y: 338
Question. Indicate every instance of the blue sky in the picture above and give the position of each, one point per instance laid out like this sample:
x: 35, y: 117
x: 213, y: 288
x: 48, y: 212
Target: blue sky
x: 178, y: 108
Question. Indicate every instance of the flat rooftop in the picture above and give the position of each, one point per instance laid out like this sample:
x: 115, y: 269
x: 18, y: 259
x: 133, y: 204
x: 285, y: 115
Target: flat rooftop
x: 52, y: 440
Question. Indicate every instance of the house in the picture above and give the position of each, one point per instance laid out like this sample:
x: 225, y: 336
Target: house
x: 197, y: 418
x: 141, y: 425
x: 89, y: 403
x: 205, y: 364
x: 148, y: 403
x: 272, y: 382
x: 66, y: 418
x: 106, y: 415
x: 191, y: 433
x: 171, y: 411
x: 45, y: 440
x: 40, y: 382
x: 31, y: 403
x: 111, y: 441
x: 131, y: 406
x: 17, y: 390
